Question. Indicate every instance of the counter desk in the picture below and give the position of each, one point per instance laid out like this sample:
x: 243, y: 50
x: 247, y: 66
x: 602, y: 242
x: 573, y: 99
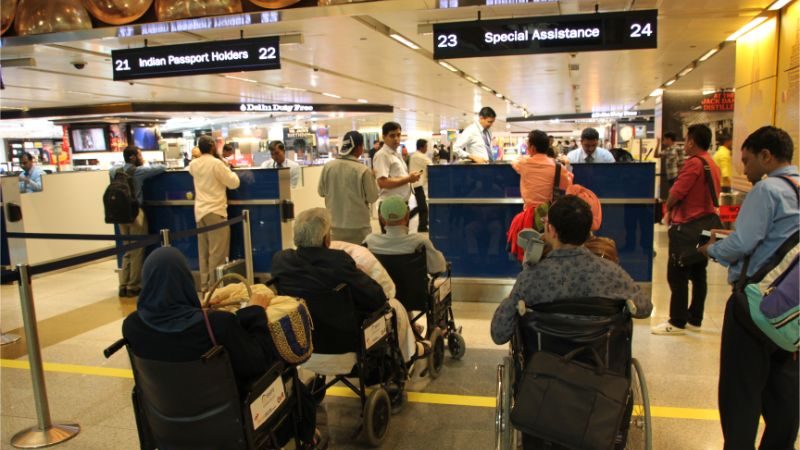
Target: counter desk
x: 472, y: 206
x: 169, y: 204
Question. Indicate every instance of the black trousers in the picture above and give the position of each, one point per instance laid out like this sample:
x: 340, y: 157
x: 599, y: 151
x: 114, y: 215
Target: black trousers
x: 756, y: 378
x: 421, y: 209
x: 678, y: 278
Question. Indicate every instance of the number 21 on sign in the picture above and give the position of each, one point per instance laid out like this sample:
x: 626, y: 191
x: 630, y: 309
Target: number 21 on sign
x: 121, y: 65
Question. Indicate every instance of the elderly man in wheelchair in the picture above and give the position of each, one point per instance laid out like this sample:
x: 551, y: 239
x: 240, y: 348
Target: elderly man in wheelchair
x: 357, y: 331
x: 422, y: 277
x: 568, y: 318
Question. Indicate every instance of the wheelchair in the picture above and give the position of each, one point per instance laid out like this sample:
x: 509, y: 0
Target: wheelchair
x: 369, y: 351
x: 433, y: 297
x: 196, y: 405
x: 559, y: 327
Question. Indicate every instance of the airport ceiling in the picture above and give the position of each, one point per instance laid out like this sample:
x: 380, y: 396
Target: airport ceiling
x: 346, y: 51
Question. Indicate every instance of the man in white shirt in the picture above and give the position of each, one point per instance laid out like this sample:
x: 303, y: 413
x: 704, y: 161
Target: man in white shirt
x: 398, y: 241
x: 590, y: 151
x: 390, y: 169
x: 475, y: 142
x: 419, y: 162
x: 279, y: 160
x: 211, y: 178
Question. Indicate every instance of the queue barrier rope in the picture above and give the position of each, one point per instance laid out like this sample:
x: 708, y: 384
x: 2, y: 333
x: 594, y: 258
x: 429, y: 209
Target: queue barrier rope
x: 83, y: 237
x: 189, y: 233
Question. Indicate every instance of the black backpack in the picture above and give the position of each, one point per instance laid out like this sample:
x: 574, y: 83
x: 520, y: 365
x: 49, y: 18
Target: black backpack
x: 119, y: 200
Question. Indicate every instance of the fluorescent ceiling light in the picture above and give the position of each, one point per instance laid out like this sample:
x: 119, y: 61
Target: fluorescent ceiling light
x: 471, y: 80
x: 448, y: 66
x: 752, y: 24
x: 709, y: 54
x: 486, y: 88
x: 709, y: 91
x: 240, y: 79
x: 657, y: 92
x: 404, y: 41
x: 779, y: 4
x: 685, y: 71
x: 362, y: 100
x: 294, y: 89
x: 499, y: 95
x: 331, y: 95
x: 670, y: 82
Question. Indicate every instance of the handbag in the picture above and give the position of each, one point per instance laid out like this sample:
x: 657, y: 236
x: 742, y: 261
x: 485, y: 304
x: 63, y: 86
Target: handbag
x: 683, y: 238
x: 288, y: 321
x: 570, y: 403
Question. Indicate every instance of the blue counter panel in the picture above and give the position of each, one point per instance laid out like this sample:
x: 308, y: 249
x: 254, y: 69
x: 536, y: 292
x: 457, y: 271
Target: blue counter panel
x: 473, y: 181
x: 175, y: 218
x: 255, y: 184
x: 5, y: 257
x: 265, y: 234
x: 620, y: 180
x: 473, y: 238
x: 169, y: 186
x: 631, y: 227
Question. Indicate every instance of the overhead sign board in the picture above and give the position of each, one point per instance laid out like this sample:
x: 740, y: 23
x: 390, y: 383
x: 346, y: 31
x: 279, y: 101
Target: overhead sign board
x: 197, y: 58
x: 551, y: 34
x: 719, y: 101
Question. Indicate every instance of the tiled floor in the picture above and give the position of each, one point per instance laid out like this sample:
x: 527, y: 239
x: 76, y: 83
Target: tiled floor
x: 79, y: 315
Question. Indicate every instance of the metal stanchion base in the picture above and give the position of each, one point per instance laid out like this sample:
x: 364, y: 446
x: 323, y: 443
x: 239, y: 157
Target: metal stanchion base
x: 36, y: 438
x: 8, y: 338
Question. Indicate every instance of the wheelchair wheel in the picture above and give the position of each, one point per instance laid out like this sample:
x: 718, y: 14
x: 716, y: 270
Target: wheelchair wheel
x: 640, y: 432
x: 436, y: 357
x: 456, y: 345
x: 377, y: 414
x: 502, y: 423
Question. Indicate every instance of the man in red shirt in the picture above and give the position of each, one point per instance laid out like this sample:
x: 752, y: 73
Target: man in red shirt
x: 689, y: 199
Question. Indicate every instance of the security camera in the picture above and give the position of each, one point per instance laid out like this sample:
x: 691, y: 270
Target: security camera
x: 79, y: 64
x: 316, y: 69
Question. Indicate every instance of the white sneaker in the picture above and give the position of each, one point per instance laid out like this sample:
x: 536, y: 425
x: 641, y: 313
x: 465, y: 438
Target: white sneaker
x: 691, y: 327
x: 666, y: 328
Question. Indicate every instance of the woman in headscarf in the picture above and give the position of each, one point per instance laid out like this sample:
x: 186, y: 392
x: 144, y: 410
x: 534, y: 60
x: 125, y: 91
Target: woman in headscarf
x: 168, y: 325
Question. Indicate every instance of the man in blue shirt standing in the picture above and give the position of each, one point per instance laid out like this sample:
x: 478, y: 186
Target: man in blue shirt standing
x: 30, y: 180
x: 756, y: 377
x: 130, y: 277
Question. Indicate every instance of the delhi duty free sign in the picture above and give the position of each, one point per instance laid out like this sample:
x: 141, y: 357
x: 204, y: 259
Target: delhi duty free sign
x: 551, y: 34
x: 197, y: 58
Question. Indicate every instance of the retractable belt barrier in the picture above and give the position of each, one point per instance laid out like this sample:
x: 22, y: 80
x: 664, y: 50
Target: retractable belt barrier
x: 46, y: 432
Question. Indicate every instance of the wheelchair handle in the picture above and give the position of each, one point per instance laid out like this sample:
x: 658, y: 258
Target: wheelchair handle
x: 113, y: 348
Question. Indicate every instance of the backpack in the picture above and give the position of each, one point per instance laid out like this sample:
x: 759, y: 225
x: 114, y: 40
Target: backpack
x: 773, y: 293
x: 119, y: 200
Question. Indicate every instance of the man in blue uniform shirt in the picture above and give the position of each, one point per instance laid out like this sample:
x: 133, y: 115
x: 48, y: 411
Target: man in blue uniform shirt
x: 756, y: 378
x: 590, y: 151
x: 30, y: 180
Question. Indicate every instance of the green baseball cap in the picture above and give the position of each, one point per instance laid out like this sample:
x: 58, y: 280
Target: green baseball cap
x: 393, y: 208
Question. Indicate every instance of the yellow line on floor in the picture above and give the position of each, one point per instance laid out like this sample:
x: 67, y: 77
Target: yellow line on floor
x: 664, y: 412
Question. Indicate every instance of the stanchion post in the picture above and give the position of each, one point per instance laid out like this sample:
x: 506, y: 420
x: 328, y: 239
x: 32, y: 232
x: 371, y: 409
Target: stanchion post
x: 165, y: 237
x: 46, y: 433
x: 248, y: 247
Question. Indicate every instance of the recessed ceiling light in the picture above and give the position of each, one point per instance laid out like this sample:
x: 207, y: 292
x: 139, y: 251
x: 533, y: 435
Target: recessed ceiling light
x: 486, y: 88
x: 709, y: 91
x: 294, y: 89
x: 448, y: 66
x: 498, y: 95
x: 709, y: 54
x: 401, y: 39
x: 331, y: 95
x: 670, y: 82
x: 779, y: 4
x: 471, y: 80
x: 240, y: 79
x: 362, y: 100
x: 657, y: 92
x: 750, y: 25
x: 685, y: 71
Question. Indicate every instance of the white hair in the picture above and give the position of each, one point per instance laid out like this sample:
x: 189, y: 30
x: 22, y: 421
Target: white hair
x: 311, y: 227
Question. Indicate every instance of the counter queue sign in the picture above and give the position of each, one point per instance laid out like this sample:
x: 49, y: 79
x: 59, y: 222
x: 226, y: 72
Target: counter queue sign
x: 547, y: 34
x: 197, y: 58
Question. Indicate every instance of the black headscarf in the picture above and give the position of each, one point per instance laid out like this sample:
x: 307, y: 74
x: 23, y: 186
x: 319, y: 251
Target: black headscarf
x: 168, y: 301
